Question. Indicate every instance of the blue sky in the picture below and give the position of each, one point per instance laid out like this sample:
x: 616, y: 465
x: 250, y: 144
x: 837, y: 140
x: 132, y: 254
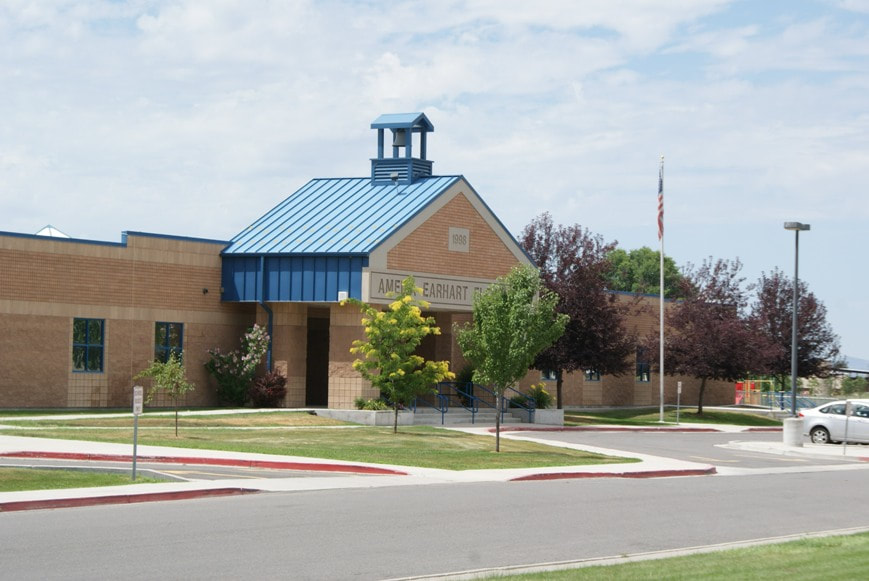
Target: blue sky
x: 194, y: 118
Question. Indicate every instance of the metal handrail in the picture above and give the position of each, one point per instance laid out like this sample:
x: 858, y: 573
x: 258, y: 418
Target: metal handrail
x: 530, y: 404
x: 442, y: 406
x: 466, y: 394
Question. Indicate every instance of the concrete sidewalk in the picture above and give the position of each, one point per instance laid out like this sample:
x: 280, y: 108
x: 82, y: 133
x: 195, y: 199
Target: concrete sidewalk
x: 356, y: 475
x: 353, y: 474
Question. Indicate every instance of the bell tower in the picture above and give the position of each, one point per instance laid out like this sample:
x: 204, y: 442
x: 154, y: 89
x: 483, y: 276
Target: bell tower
x: 401, y: 167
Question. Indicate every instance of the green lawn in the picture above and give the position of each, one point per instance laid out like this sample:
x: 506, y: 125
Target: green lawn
x: 239, y: 420
x: 838, y: 557
x: 15, y: 479
x: 650, y: 417
x: 301, y: 434
x: 11, y: 413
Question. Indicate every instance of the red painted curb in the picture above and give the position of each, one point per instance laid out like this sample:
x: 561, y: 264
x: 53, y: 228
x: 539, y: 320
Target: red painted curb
x: 120, y: 499
x: 647, y: 474
x: 766, y: 429
x: 309, y: 466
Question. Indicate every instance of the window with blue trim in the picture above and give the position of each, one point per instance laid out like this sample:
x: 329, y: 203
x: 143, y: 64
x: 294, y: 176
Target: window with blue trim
x: 592, y: 375
x: 644, y: 367
x: 168, y: 338
x: 88, y: 345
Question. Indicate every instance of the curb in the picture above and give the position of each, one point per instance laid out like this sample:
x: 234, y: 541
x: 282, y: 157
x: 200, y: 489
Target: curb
x: 308, y: 466
x: 120, y: 499
x: 646, y: 474
x: 604, y: 429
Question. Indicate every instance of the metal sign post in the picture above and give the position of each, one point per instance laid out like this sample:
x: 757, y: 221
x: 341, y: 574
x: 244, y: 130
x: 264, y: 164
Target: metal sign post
x: 678, y: 399
x: 849, y: 409
x: 138, y: 401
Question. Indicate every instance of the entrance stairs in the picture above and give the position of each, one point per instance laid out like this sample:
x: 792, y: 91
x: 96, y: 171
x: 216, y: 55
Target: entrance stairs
x: 461, y: 416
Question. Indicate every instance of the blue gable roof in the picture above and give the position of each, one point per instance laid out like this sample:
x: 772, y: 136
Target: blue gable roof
x: 348, y: 216
x: 315, y: 243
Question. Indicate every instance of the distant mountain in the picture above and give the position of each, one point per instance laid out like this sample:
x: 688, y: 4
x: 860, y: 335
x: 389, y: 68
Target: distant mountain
x: 856, y: 363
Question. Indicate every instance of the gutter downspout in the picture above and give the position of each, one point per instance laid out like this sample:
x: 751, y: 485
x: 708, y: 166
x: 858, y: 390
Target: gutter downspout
x: 262, y: 302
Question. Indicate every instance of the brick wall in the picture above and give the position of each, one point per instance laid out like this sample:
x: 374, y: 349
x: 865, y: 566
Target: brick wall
x: 426, y: 249
x: 47, y: 283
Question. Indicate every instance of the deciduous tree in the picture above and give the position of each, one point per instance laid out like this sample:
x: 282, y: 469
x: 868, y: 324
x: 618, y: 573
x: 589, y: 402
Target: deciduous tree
x: 170, y: 378
x: 708, y: 334
x: 513, y: 321
x: 639, y: 271
x: 573, y: 264
x: 389, y: 360
x: 772, y: 314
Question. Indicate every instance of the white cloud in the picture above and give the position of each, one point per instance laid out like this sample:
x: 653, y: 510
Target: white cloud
x: 115, y: 111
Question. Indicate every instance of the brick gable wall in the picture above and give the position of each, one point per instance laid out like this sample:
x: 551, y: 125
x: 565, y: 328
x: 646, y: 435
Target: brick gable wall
x: 426, y: 249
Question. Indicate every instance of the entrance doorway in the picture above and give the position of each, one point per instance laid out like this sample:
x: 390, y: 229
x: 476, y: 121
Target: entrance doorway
x: 317, y: 360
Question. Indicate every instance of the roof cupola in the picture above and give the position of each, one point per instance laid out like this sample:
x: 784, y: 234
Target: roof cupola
x: 401, y: 167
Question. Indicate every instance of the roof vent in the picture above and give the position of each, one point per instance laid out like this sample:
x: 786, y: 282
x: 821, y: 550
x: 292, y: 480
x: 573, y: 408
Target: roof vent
x: 401, y: 167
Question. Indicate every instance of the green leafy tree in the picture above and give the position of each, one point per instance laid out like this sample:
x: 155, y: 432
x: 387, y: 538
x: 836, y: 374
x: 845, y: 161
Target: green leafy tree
x: 234, y: 371
x: 389, y: 360
x: 639, y: 271
x: 855, y: 385
x: 169, y: 377
x: 513, y: 321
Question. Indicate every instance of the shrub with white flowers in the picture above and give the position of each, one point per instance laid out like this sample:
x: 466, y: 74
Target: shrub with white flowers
x: 234, y: 371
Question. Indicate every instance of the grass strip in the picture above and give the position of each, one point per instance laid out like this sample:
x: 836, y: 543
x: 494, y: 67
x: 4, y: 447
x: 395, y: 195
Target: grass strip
x: 648, y: 417
x: 835, y: 557
x: 421, y: 446
x: 16, y: 479
x: 264, y: 419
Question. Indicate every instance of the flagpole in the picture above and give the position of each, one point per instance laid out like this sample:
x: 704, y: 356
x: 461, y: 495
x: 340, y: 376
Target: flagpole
x: 661, y: 287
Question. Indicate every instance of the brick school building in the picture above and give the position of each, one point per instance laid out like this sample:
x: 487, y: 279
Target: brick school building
x: 80, y: 318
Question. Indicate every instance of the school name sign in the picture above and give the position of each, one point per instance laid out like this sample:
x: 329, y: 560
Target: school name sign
x: 446, y: 292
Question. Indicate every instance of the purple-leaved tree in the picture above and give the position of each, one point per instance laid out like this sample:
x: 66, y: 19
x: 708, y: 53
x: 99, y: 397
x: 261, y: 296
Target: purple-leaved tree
x: 772, y: 315
x: 708, y: 334
x: 573, y: 264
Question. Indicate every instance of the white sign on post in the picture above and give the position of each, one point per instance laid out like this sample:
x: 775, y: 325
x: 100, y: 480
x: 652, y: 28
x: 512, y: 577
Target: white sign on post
x: 138, y: 399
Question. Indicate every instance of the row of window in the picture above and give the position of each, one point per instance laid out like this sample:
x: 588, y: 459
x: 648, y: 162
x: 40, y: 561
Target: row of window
x: 644, y: 371
x: 89, y: 345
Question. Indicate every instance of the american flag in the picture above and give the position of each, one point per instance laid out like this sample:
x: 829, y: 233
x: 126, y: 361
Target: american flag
x: 661, y: 201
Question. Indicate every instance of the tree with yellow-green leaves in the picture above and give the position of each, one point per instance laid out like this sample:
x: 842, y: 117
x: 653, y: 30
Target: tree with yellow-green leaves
x: 388, y: 357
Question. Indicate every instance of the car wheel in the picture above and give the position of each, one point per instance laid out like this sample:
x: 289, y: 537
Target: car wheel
x: 819, y: 435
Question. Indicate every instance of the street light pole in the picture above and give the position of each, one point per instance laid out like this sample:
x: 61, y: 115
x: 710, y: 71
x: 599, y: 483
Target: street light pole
x: 796, y: 227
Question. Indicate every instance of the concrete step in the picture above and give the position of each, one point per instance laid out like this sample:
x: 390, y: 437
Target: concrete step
x: 454, y: 417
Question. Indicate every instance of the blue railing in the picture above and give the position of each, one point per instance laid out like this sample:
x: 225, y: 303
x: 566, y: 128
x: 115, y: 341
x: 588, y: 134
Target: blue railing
x: 440, y: 404
x: 523, y: 401
x: 472, y: 397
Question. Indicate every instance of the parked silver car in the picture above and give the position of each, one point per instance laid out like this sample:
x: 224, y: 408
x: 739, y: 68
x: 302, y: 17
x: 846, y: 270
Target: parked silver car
x: 826, y: 423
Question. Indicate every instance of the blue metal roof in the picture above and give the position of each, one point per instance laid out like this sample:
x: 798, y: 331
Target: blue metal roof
x: 408, y: 120
x: 349, y: 216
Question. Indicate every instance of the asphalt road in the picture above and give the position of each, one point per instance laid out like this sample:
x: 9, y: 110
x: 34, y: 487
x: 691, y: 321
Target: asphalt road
x: 382, y: 533
x: 705, y: 447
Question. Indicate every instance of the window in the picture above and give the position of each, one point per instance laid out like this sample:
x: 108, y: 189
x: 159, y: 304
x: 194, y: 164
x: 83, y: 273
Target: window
x: 548, y: 375
x: 644, y: 373
x: 168, y: 338
x: 592, y: 375
x: 87, y: 345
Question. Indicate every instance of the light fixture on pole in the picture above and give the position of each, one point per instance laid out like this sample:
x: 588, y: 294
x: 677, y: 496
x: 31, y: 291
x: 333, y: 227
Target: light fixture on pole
x: 796, y: 227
